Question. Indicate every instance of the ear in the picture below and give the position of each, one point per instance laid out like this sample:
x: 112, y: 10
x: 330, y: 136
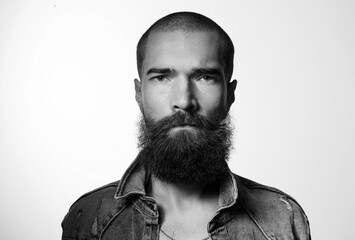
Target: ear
x: 138, y: 88
x: 230, y: 90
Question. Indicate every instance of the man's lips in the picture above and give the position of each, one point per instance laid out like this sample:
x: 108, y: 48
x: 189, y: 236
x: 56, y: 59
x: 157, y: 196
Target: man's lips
x: 183, y: 127
x: 186, y: 125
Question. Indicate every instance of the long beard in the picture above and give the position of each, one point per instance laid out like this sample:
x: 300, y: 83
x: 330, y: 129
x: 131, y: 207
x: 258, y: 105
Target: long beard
x: 197, y: 155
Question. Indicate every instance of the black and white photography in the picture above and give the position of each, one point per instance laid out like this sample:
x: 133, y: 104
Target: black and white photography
x: 177, y: 120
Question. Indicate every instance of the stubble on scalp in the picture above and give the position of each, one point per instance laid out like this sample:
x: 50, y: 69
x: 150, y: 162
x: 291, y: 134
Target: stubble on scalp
x: 189, y: 22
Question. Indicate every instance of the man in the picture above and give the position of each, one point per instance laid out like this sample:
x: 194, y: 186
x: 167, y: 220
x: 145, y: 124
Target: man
x: 180, y: 186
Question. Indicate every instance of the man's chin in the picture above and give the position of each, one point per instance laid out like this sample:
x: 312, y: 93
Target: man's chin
x: 185, y: 149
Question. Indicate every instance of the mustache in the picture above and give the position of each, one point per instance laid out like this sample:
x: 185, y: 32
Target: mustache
x: 179, y: 119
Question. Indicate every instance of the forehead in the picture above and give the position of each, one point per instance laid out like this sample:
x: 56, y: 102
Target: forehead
x: 181, y: 49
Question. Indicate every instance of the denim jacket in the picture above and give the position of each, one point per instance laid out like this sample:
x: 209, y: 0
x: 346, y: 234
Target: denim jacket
x: 122, y: 210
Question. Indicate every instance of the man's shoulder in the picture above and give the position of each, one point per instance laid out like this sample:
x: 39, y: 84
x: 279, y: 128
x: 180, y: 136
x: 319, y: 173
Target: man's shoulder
x: 255, y: 190
x: 271, y: 208
x: 259, y: 188
x: 83, y: 213
x: 105, y: 191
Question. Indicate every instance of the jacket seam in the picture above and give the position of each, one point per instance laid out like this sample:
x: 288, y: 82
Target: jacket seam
x: 256, y: 222
x: 110, y: 221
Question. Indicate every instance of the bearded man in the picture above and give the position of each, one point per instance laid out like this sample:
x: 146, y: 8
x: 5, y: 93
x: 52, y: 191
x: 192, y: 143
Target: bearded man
x: 180, y: 187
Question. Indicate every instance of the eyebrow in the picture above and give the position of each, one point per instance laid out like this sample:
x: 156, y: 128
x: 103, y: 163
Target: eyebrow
x: 211, y: 71
x: 161, y: 71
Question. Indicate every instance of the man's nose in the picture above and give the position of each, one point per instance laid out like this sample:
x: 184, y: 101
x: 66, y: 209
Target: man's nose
x: 183, y: 96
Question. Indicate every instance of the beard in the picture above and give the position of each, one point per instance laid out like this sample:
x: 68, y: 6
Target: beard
x: 195, y: 155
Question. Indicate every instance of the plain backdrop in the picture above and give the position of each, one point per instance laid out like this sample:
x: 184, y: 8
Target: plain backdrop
x: 68, y: 115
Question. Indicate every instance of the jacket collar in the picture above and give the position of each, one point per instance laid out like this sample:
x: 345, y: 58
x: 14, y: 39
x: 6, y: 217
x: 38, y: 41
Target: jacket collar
x: 135, y: 178
x: 133, y: 181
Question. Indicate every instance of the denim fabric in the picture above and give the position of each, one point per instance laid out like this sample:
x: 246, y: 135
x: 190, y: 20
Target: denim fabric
x: 122, y: 210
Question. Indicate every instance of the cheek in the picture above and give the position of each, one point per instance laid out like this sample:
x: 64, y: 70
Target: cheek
x: 154, y: 102
x: 213, y: 101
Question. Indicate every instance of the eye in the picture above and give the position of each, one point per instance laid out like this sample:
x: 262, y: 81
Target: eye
x: 159, y: 78
x: 207, y: 78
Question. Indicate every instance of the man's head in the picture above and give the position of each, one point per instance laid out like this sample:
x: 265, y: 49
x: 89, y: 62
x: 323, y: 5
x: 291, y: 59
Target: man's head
x: 185, y: 62
x: 189, y: 22
x: 181, y: 49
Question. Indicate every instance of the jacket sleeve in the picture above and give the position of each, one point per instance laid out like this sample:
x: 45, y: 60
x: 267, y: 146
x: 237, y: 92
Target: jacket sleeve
x: 301, y: 229
x: 90, y: 210
x: 78, y: 222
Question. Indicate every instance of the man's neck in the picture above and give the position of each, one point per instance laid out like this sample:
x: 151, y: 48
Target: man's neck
x: 182, y: 196
x: 188, y: 207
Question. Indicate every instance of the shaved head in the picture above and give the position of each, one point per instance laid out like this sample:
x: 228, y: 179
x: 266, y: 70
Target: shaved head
x: 190, y: 22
